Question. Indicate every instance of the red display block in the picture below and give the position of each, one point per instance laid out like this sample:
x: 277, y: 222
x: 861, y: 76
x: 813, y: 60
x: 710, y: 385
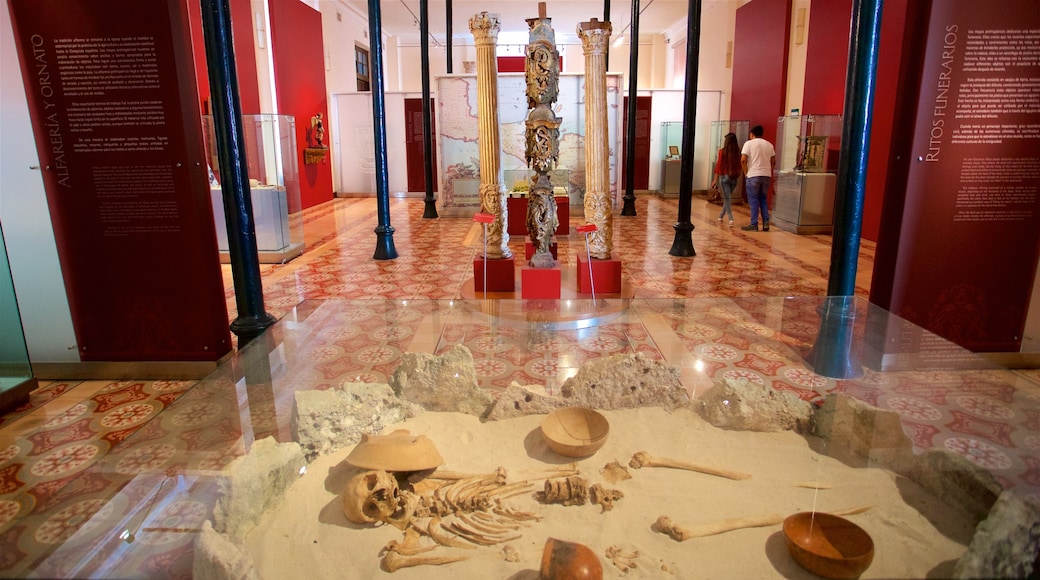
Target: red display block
x: 606, y: 274
x: 516, y: 225
x: 540, y: 283
x: 529, y: 250
x: 501, y: 275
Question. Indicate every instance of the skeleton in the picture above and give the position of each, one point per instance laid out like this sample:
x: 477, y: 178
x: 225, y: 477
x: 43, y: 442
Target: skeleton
x: 604, y: 497
x: 621, y: 558
x: 374, y: 496
x: 644, y: 459
x: 567, y: 491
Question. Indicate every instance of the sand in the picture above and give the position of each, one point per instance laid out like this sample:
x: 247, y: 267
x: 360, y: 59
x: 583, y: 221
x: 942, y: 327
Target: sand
x: 915, y: 534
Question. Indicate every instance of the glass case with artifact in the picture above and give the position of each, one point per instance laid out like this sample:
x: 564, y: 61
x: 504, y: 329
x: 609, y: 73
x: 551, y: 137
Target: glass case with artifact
x: 274, y: 185
x: 719, y: 130
x: 671, y: 156
x: 807, y: 148
x: 16, y: 376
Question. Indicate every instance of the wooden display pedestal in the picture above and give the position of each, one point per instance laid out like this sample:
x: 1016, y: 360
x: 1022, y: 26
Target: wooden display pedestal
x: 501, y: 275
x: 541, y: 283
x: 517, y: 209
x: 605, y: 273
x: 529, y: 251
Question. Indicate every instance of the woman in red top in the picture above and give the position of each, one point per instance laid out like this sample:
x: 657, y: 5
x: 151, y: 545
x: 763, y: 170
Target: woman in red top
x: 727, y: 170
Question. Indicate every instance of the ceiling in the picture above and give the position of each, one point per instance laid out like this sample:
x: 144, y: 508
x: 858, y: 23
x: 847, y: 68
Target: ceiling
x: 401, y: 17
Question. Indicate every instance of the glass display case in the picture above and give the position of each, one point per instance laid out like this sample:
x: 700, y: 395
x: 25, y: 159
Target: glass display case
x: 807, y: 148
x: 260, y: 447
x: 671, y: 156
x: 16, y: 376
x: 274, y: 184
x: 719, y: 130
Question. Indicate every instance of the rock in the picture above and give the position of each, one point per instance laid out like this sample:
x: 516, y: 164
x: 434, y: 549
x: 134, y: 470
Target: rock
x: 1005, y: 544
x: 441, y: 383
x: 861, y: 428
x: 624, y: 381
x: 739, y: 404
x: 520, y: 400
x: 326, y: 421
x: 217, y: 558
x: 255, y: 483
x: 877, y: 435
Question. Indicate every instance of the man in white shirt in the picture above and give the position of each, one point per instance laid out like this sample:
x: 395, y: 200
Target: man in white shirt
x: 757, y: 158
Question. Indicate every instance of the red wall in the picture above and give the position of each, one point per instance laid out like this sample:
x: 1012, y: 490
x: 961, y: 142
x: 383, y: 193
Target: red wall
x: 245, y: 56
x: 827, y: 57
x: 299, y: 70
x: 760, y: 63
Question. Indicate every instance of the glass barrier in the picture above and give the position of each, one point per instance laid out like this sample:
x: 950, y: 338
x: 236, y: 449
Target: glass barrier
x: 693, y: 476
x: 16, y: 376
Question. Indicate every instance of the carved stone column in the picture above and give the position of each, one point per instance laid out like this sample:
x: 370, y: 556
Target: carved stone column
x: 595, y: 39
x: 543, y: 135
x: 485, y: 29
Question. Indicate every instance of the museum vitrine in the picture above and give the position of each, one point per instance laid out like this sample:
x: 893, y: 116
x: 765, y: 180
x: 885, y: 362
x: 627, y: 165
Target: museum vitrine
x: 807, y: 149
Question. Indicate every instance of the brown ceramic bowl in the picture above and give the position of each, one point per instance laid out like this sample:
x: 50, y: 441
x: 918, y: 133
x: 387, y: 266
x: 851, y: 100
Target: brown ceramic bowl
x: 569, y: 561
x: 398, y: 451
x: 575, y: 431
x: 828, y: 545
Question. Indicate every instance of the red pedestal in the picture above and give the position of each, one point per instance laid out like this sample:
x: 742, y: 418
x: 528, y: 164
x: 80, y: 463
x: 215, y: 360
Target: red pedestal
x: 606, y: 274
x: 540, y: 283
x: 529, y: 250
x: 501, y: 275
x: 516, y: 225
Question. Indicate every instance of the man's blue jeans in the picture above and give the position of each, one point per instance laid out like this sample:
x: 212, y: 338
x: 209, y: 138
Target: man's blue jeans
x: 757, y: 188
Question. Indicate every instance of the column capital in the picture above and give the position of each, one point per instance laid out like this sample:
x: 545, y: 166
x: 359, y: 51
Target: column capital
x: 595, y: 36
x: 485, y: 28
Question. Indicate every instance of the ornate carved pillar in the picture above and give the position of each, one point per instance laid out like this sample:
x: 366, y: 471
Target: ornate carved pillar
x: 543, y: 135
x: 485, y: 29
x: 595, y: 39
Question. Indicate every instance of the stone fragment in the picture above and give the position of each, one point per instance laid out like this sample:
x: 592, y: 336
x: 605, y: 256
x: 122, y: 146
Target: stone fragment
x: 326, y: 421
x: 624, y: 381
x: 742, y: 405
x: 877, y: 436
x: 255, y: 483
x: 441, y: 383
x: 1006, y: 544
x: 520, y: 400
x: 218, y: 558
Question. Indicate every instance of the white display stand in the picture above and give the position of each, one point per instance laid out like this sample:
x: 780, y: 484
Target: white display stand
x: 271, y: 219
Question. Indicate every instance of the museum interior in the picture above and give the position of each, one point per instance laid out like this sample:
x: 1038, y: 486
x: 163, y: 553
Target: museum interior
x: 479, y: 353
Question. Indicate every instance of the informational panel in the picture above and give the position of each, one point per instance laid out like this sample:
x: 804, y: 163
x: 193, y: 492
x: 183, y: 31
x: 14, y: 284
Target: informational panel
x: 115, y: 113
x: 963, y: 258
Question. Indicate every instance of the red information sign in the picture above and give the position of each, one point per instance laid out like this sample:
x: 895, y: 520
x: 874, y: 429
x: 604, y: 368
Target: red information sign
x: 115, y: 113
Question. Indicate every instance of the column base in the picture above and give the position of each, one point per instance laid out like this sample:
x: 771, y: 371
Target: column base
x: 606, y: 274
x: 540, y: 283
x: 501, y: 275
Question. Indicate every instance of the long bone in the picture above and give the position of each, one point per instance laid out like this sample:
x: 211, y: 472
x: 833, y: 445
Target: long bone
x: 644, y: 459
x: 392, y: 561
x: 434, y: 530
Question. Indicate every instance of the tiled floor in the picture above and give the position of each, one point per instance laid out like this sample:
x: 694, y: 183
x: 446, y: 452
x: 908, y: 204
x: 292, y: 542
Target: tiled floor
x: 87, y: 462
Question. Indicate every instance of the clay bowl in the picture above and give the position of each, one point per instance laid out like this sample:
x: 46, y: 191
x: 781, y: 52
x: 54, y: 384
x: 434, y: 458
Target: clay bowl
x: 828, y: 545
x: 569, y: 561
x: 398, y: 451
x: 575, y: 431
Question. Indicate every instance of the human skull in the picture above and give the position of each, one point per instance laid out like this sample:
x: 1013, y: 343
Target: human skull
x: 369, y: 497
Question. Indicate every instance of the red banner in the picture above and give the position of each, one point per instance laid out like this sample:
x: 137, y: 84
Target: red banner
x: 965, y: 253
x: 113, y: 99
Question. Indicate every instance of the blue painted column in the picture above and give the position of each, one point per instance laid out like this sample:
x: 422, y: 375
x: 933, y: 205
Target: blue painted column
x: 629, y: 207
x: 832, y: 354
x: 385, y: 249
x: 252, y: 319
x: 682, y: 245
x: 430, y: 210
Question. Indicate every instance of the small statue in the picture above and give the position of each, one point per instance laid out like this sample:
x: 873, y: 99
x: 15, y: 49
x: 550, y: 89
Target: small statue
x: 318, y: 130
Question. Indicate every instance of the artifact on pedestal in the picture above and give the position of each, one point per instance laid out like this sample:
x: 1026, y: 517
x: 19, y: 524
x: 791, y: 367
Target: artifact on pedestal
x: 595, y: 39
x: 542, y: 135
x: 485, y: 29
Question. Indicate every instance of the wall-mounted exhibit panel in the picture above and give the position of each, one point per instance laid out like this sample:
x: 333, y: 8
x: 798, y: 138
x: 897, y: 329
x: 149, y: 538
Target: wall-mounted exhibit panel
x: 115, y: 113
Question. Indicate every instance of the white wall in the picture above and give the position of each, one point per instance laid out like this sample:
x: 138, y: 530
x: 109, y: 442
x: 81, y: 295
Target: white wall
x: 28, y: 231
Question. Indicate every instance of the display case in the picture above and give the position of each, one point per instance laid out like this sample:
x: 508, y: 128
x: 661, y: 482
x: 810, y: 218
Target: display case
x: 807, y: 148
x: 671, y: 156
x: 16, y: 377
x: 274, y: 184
x: 719, y: 130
